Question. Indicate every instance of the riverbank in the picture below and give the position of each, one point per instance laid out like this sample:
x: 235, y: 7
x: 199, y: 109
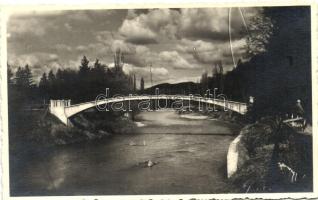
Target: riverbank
x: 271, y: 157
x: 276, y: 158
x: 112, y: 166
x: 36, y: 129
x: 226, y: 116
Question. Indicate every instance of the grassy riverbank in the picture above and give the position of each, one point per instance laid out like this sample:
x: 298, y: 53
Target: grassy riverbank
x: 278, y: 159
x: 34, y: 129
x: 38, y: 128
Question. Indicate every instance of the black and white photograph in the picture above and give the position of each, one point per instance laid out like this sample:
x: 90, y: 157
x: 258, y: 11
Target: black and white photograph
x: 160, y: 100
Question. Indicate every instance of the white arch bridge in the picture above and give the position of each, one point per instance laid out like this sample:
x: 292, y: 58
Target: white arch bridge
x: 63, y: 109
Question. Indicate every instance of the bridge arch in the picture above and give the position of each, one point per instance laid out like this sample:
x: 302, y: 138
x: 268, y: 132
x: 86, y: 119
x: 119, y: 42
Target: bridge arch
x: 63, y: 109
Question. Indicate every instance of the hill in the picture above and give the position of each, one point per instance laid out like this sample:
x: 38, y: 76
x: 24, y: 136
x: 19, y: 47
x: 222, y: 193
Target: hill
x: 177, y: 88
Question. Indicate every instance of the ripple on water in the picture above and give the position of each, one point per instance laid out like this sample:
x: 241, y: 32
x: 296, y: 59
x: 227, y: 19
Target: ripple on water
x: 112, y: 167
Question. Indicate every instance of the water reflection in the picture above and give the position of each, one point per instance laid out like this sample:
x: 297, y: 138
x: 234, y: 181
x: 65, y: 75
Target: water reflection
x: 57, y: 171
x: 185, y: 163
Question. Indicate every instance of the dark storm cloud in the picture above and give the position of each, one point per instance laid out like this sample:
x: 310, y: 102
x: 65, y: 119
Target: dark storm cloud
x: 203, y: 23
x: 165, y: 38
x: 141, y: 40
x: 213, y: 23
x: 210, y: 35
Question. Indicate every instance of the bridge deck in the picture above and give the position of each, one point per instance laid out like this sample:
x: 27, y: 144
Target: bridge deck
x: 154, y: 97
x: 64, y: 110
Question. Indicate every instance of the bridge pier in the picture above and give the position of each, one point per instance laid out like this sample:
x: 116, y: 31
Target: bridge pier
x: 57, y: 108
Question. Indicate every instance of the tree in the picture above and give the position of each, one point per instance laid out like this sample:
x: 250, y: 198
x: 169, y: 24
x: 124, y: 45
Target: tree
x: 130, y: 81
x: 260, y: 31
x: 84, y: 68
x: 51, y: 77
x: 43, y: 81
x: 204, y: 82
x: 51, y: 84
x: 217, y: 73
x: 9, y: 75
x: 142, y: 84
x: 135, y: 83
x: 98, y: 67
x: 23, y: 77
x: 281, y: 40
x: 59, y: 75
x: 28, y: 77
x: 44, y: 86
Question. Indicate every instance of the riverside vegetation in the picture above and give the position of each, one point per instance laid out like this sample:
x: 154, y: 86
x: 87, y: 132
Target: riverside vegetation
x: 275, y: 158
x: 278, y: 73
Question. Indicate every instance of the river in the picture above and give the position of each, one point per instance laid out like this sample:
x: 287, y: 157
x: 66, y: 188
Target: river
x: 189, y: 152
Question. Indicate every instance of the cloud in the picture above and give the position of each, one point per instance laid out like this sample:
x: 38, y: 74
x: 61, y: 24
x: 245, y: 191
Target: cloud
x: 68, y: 26
x: 206, y: 23
x: 165, y: 38
x: 62, y: 47
x: 138, y: 55
x: 141, y: 39
x: 136, y: 33
x: 159, y: 74
x: 174, y: 59
x: 205, y: 52
x: 213, y: 23
x: 103, y: 36
x: 23, y: 26
x: 131, y: 14
x: 39, y: 63
x: 156, y: 71
x: 144, y: 28
x: 33, y: 59
x: 36, y: 23
x: 82, y: 16
x: 81, y: 48
x: 193, y: 23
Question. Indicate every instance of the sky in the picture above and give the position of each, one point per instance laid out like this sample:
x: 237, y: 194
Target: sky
x: 179, y: 44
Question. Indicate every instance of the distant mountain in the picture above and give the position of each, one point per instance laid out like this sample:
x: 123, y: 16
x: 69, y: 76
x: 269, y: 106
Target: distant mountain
x: 177, y: 88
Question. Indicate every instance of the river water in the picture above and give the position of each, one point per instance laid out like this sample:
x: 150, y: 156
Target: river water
x: 189, y: 152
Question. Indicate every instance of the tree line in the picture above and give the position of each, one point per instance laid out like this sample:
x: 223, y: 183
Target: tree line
x: 79, y: 85
x: 279, y: 71
x: 277, y: 74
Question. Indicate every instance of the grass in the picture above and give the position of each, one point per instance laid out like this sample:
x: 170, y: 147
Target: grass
x: 269, y: 143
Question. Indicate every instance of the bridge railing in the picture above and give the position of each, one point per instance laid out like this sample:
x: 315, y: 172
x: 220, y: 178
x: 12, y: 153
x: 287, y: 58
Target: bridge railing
x: 151, y: 97
x: 60, y: 103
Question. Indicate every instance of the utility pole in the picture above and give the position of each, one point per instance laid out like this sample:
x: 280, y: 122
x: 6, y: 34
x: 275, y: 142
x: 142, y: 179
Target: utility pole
x: 150, y: 74
x: 135, y: 83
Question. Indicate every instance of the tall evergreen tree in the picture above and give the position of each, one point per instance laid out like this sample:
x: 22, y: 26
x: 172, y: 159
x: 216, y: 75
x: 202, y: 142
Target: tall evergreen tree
x: 43, y: 86
x: 9, y: 75
x: 135, y: 87
x: 98, y: 67
x: 204, y: 82
x: 43, y: 81
x: 142, y: 84
x: 28, y: 77
x: 51, y: 85
x: 84, y: 68
x: 23, y: 77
